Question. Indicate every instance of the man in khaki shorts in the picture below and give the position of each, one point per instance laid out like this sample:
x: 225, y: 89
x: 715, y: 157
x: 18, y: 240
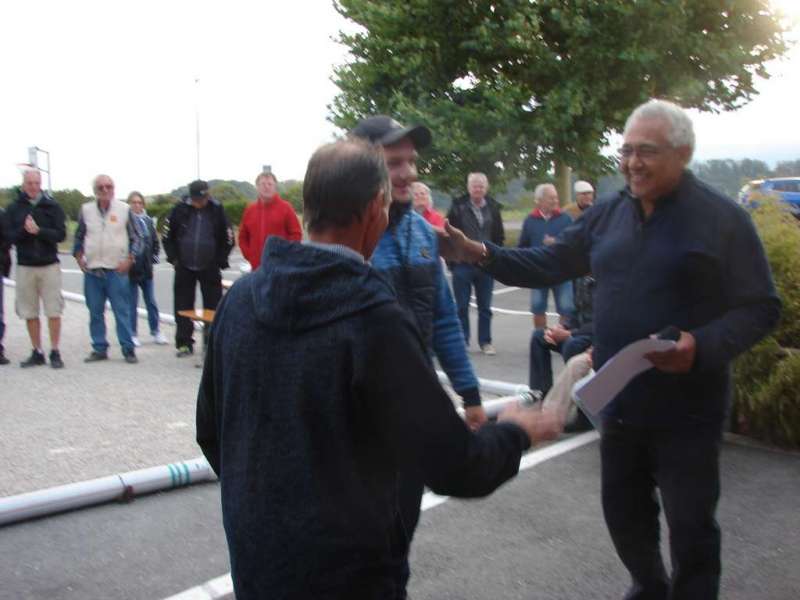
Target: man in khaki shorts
x: 36, y: 224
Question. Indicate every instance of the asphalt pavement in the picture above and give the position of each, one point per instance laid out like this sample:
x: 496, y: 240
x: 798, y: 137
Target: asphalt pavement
x: 541, y: 536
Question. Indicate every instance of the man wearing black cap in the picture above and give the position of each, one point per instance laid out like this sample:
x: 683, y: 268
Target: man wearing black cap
x: 408, y: 254
x: 197, y: 239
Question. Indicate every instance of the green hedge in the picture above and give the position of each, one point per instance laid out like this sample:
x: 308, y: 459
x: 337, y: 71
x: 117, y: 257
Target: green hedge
x: 767, y: 377
x: 233, y: 209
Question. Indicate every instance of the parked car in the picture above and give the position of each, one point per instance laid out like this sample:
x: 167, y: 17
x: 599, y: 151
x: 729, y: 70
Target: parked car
x: 785, y: 188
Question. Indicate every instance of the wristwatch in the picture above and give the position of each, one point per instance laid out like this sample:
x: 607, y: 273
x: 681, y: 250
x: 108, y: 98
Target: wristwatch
x: 486, y: 256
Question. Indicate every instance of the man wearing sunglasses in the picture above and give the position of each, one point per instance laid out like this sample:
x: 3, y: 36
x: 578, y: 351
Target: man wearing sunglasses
x: 106, y: 243
x: 669, y: 253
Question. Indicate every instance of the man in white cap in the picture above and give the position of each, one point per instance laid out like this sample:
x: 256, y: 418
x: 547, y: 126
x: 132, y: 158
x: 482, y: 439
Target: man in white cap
x: 584, y: 198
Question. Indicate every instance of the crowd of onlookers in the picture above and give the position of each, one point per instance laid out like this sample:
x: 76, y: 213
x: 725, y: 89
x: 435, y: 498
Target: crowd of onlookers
x: 116, y: 244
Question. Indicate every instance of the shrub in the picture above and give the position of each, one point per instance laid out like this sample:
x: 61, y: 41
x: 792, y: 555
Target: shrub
x: 767, y: 377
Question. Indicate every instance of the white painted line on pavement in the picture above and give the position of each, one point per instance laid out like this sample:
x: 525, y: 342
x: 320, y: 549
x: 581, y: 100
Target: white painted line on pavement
x: 223, y: 586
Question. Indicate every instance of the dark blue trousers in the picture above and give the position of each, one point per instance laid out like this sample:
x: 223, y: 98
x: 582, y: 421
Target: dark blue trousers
x: 540, y: 371
x: 684, y: 465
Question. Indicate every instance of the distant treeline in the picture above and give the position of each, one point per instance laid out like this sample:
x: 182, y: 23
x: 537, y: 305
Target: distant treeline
x: 727, y: 175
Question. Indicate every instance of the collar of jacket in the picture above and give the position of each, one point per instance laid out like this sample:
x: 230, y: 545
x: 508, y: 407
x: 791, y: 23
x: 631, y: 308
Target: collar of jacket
x: 45, y: 199
x: 685, y: 182
x: 537, y: 214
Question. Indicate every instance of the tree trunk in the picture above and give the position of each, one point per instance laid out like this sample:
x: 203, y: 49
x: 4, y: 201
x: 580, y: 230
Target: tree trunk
x: 563, y: 175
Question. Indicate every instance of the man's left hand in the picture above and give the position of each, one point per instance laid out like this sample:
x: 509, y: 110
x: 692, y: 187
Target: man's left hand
x: 678, y: 359
x: 475, y: 417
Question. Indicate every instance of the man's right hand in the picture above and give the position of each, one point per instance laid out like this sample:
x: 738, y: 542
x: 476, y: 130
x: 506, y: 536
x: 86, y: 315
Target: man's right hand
x: 456, y: 247
x: 540, y: 424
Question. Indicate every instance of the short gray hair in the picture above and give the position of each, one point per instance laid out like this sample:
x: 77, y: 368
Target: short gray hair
x: 538, y: 191
x: 478, y: 175
x: 681, y: 130
x: 99, y: 177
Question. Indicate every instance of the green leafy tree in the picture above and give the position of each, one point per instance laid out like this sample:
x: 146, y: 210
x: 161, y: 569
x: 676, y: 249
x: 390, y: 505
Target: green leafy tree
x: 730, y: 175
x: 788, y: 168
x: 227, y: 193
x: 527, y: 86
x: 292, y: 192
x: 71, y: 201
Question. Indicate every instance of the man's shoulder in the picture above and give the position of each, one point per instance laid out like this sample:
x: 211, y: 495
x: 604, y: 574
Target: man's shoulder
x: 702, y: 191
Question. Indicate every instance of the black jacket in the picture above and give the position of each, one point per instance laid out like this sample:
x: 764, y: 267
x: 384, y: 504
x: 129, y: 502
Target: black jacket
x: 5, y: 247
x: 177, y: 223
x: 316, y: 392
x: 696, y: 263
x: 41, y: 249
x: 461, y: 213
x: 583, y: 294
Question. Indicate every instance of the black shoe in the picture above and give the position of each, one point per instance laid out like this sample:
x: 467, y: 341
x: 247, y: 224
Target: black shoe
x: 130, y: 358
x: 184, y: 351
x: 3, y: 359
x: 55, y: 359
x: 36, y: 359
x: 96, y: 356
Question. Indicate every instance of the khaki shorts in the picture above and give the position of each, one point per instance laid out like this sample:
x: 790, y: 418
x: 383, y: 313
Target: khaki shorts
x: 34, y: 283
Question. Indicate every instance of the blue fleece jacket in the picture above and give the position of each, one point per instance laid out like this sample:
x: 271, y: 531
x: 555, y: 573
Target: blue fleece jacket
x: 408, y: 253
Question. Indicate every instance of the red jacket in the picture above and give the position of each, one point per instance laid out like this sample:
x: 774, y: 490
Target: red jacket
x: 261, y: 220
x: 433, y: 217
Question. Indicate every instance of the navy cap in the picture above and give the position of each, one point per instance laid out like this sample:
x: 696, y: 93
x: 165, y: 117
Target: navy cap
x: 385, y: 131
x: 198, y: 189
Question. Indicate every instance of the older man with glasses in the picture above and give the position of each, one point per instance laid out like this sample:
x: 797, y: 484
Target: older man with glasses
x: 106, y: 243
x: 669, y: 254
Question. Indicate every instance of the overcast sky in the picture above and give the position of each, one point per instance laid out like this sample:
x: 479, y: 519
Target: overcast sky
x: 109, y: 86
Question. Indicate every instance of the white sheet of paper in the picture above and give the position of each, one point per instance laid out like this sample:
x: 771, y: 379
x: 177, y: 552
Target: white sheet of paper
x: 594, y: 392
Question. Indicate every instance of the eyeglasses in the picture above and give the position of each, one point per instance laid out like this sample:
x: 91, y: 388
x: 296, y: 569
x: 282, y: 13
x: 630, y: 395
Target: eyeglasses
x: 643, y: 151
x: 100, y: 188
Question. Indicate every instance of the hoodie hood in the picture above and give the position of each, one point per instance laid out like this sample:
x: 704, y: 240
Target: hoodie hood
x: 300, y: 287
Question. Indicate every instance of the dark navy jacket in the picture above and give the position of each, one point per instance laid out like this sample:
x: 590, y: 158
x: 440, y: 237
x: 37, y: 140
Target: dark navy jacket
x: 535, y: 227
x: 316, y: 391
x: 41, y: 249
x: 697, y: 264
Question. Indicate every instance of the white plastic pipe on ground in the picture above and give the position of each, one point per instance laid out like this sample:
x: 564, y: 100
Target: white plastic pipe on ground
x: 493, y: 386
x: 95, y: 491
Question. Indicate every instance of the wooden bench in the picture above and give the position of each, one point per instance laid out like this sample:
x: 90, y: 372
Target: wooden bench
x: 204, y: 316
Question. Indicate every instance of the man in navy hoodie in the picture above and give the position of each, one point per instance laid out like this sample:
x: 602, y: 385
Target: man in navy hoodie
x: 667, y: 251
x: 317, y: 391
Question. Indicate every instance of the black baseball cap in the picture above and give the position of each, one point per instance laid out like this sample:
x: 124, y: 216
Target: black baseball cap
x: 198, y: 189
x: 384, y: 130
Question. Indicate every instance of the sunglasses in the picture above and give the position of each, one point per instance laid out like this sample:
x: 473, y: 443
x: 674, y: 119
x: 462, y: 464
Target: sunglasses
x: 100, y: 188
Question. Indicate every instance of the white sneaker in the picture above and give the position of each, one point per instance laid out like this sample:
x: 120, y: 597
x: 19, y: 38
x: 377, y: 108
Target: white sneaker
x: 136, y: 341
x: 488, y: 350
x: 158, y: 338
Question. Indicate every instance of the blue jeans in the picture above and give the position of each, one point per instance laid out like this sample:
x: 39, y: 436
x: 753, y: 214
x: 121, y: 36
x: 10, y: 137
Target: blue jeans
x: 149, y: 302
x: 100, y: 285
x: 464, y: 277
x: 565, y: 304
x: 540, y: 369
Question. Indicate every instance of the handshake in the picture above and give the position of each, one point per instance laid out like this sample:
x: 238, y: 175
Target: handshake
x: 541, y: 424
